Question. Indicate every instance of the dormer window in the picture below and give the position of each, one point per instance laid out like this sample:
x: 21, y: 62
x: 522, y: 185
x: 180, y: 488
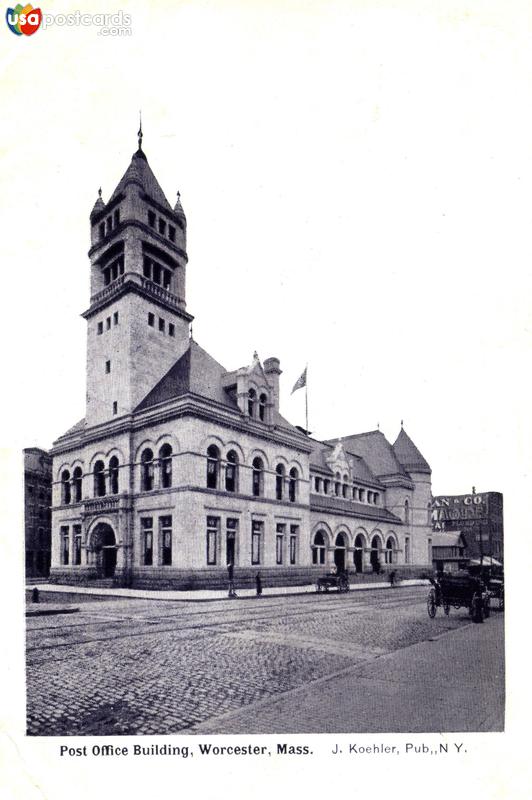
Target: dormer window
x: 151, y: 219
x: 162, y: 227
x: 252, y: 398
x: 262, y: 406
x: 171, y: 233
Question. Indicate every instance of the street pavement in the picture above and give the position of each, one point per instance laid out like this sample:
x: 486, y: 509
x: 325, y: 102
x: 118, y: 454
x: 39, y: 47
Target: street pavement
x: 369, y: 661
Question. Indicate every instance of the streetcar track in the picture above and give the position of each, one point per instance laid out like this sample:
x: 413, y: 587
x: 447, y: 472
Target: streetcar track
x: 213, y: 626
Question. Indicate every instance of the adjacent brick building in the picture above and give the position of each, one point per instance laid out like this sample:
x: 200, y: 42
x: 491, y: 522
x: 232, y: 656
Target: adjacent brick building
x: 37, y: 516
x: 479, y: 519
x: 181, y: 466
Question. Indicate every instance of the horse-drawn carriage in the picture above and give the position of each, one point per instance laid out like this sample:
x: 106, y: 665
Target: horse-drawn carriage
x: 459, y: 591
x: 334, y: 580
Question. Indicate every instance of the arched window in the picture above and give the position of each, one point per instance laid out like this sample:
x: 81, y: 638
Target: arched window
x: 76, y: 481
x: 99, y: 479
x: 344, y: 487
x: 165, y: 466
x: 279, y: 481
x: 318, y: 548
x: 292, y: 485
x: 407, y: 512
x: 65, y: 487
x: 231, y: 472
x: 213, y: 466
x: 262, y: 406
x: 113, y: 475
x: 326, y: 484
x: 389, y: 550
x: 337, y: 484
x: 252, y: 397
x: 146, y: 470
x: 375, y: 554
x: 258, y: 477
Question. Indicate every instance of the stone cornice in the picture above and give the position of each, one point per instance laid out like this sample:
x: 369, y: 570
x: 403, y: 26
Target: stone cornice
x: 188, y: 405
x: 124, y: 287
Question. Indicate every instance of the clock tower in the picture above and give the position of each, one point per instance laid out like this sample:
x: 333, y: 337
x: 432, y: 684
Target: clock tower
x: 137, y: 323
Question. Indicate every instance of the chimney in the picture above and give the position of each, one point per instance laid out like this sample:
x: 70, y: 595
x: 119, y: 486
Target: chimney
x: 272, y: 370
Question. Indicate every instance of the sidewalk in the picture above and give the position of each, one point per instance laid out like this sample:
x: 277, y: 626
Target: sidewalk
x: 57, y: 590
x: 454, y: 683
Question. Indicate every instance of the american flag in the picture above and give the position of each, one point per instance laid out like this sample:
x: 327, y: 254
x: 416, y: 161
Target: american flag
x: 301, y: 381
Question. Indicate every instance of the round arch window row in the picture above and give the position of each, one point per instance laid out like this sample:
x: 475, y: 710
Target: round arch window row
x: 339, y: 487
x: 222, y: 475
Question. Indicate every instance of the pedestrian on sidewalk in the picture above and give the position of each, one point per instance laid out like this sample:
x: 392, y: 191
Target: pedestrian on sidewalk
x: 258, y: 584
x: 231, y: 578
x: 392, y: 578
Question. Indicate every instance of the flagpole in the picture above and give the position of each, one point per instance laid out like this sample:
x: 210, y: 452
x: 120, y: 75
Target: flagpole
x: 306, y: 400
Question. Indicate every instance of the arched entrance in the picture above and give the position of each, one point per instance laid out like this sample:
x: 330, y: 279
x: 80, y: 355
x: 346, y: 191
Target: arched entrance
x: 359, y: 553
x: 375, y: 554
x: 103, y: 543
x: 339, y: 552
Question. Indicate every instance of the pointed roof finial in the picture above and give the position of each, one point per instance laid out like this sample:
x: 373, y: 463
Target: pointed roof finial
x: 378, y: 426
x: 401, y: 423
x: 178, y: 196
x: 100, y: 192
x: 139, y: 134
x: 191, y: 334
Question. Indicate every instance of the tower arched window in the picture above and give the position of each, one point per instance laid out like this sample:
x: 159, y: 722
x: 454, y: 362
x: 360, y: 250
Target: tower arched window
x: 292, y: 485
x: 279, y: 481
x: 77, y: 476
x: 146, y: 470
x: 262, y: 406
x: 337, y: 484
x: 231, y: 472
x: 213, y: 466
x: 165, y: 466
x: 113, y: 475
x: 252, y: 399
x: 65, y: 487
x: 258, y: 477
x: 99, y: 479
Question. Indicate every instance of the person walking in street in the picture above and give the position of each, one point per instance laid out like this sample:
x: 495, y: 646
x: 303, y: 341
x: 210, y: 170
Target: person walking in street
x: 258, y: 584
x: 392, y: 578
x: 231, y: 578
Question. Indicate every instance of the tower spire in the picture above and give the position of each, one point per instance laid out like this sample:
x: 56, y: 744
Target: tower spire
x: 139, y: 134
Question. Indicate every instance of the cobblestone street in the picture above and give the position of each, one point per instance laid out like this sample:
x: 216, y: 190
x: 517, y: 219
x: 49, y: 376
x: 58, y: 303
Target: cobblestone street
x: 150, y: 667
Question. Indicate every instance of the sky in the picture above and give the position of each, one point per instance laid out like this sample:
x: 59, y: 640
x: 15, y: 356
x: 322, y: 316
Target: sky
x: 357, y: 179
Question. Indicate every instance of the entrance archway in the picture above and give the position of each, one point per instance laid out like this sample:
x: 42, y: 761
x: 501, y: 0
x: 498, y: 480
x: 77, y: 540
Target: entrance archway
x: 359, y: 552
x: 103, y: 544
x: 339, y: 552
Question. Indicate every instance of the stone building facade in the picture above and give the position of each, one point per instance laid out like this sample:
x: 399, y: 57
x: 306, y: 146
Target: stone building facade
x: 181, y: 466
x: 37, y: 517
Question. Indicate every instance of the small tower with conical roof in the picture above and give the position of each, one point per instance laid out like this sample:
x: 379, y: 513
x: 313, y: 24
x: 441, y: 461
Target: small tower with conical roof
x: 137, y: 323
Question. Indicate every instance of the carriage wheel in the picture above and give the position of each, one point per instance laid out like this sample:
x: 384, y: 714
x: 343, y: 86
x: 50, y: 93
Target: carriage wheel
x: 446, y: 609
x: 431, y: 604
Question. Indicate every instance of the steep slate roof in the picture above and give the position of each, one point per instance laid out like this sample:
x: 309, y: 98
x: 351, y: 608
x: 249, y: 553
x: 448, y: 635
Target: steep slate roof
x: 322, y: 502
x: 408, y: 454
x: 79, y: 426
x: 195, y: 372
x: 199, y: 373
x: 376, y: 451
x: 139, y: 172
